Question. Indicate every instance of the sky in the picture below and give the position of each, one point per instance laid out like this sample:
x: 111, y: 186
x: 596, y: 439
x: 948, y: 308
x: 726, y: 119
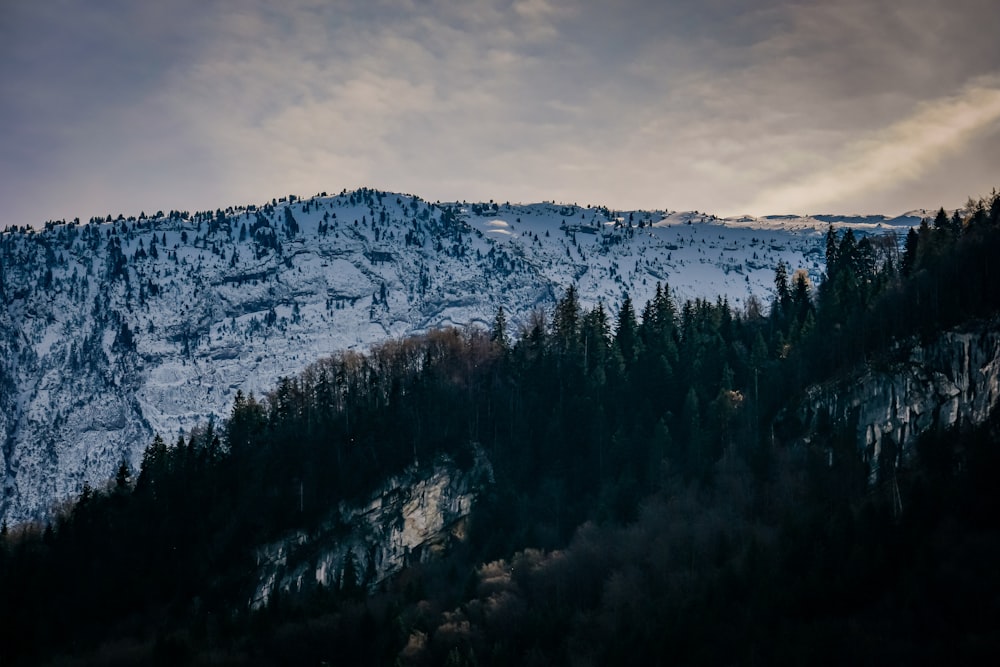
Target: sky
x: 722, y: 106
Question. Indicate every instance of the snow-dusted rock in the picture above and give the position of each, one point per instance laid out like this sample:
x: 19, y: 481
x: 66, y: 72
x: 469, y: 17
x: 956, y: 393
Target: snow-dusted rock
x: 113, y: 331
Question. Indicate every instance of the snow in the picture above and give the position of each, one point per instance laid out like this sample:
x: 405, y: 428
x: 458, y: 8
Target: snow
x: 73, y: 402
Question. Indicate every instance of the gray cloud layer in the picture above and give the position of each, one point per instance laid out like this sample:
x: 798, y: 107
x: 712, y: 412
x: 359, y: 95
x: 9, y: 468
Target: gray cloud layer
x: 767, y: 106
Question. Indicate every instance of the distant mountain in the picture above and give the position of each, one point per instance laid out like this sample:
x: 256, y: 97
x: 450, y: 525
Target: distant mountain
x: 112, y: 331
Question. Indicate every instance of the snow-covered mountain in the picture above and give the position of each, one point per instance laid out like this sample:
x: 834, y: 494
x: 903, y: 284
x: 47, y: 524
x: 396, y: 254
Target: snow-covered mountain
x: 112, y: 331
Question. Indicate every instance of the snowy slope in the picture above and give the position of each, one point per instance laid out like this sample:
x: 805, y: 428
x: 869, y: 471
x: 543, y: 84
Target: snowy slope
x: 113, y: 331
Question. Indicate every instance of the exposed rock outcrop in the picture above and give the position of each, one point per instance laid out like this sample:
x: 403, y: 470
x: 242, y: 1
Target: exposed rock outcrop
x: 409, y: 519
x: 952, y: 380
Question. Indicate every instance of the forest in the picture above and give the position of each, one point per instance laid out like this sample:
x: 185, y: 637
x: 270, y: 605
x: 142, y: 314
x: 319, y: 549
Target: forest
x: 642, y: 511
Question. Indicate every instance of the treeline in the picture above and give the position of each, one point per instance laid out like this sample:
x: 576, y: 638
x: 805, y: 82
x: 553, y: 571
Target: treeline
x: 583, y: 413
x: 873, y: 296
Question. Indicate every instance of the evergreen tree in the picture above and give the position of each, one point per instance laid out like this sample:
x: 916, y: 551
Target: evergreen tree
x: 498, y: 334
x: 566, y: 321
x: 123, y: 478
x: 957, y: 224
x: 832, y: 257
x: 941, y: 222
x: 979, y: 216
x: 659, y: 327
x: 847, y: 252
x: 782, y: 292
x: 153, y: 467
x: 910, y: 252
x: 801, y: 300
x: 626, y: 333
x: 925, y: 245
x: 596, y: 337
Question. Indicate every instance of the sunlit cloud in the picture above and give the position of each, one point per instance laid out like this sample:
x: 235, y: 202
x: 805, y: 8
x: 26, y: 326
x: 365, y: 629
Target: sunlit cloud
x: 722, y: 107
x: 900, y: 153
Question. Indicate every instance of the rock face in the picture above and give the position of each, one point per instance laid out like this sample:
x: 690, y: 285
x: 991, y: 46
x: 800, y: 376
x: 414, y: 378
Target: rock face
x: 409, y: 519
x: 954, y: 379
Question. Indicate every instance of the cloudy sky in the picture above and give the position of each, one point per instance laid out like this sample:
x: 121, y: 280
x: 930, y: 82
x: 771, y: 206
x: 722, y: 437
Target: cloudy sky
x: 726, y: 106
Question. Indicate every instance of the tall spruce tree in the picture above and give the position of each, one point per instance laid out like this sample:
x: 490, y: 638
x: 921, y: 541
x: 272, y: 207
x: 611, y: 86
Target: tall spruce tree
x: 498, y: 333
x: 626, y: 333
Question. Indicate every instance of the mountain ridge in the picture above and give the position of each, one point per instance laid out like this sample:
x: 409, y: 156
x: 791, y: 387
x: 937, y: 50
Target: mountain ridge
x: 115, y: 330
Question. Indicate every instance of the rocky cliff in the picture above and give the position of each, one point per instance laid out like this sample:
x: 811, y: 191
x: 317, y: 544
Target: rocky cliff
x: 410, y: 518
x: 951, y: 380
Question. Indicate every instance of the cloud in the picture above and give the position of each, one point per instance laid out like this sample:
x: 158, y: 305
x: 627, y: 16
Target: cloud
x: 901, y: 152
x: 778, y: 90
x: 409, y: 102
x: 703, y: 104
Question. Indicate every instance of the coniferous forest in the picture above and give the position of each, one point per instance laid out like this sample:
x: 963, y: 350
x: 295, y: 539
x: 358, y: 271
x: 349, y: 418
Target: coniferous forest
x: 642, y: 511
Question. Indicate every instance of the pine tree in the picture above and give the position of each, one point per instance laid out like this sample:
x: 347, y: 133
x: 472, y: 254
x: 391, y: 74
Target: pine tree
x: 957, y: 224
x: 659, y: 325
x: 782, y: 292
x: 498, y: 334
x: 566, y: 322
x: 925, y: 245
x: 596, y: 336
x: 832, y: 256
x: 847, y: 252
x: 123, y: 478
x: 941, y: 221
x: 154, y: 463
x: 802, y: 303
x: 626, y: 335
x: 910, y: 252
